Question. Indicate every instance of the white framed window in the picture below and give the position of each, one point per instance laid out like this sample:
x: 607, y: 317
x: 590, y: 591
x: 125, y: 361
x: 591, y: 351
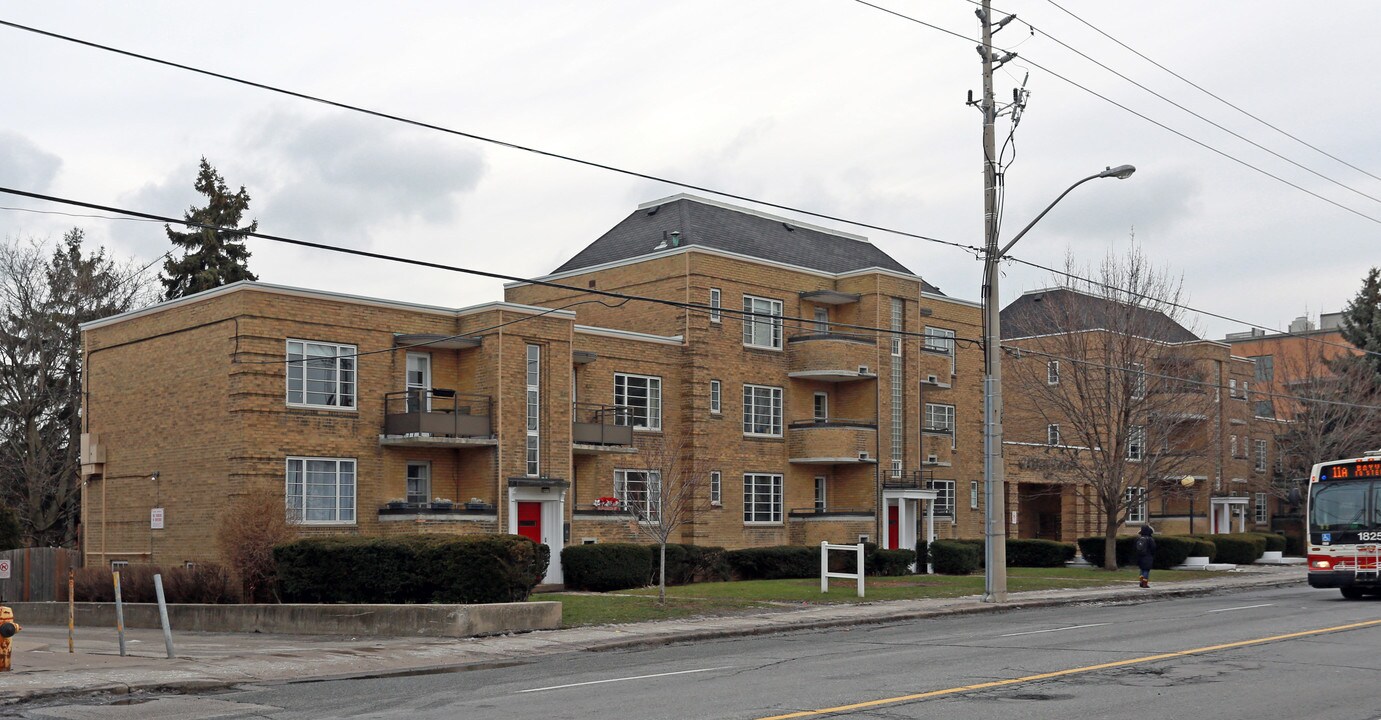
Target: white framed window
x: 642, y: 395
x: 321, y: 490
x: 1246, y: 389
x: 1052, y: 372
x: 640, y: 491
x: 939, y: 418
x: 762, y: 498
x: 419, y: 381
x: 1232, y: 387
x: 944, y: 499
x: 1262, y: 510
x: 1136, y: 442
x: 321, y: 374
x: 118, y: 565
x: 1136, y: 504
x: 939, y: 340
x: 762, y: 410
x: 534, y: 410
x: 1052, y: 434
x: 1260, y: 455
x: 716, y: 488
x: 1232, y: 445
x: 821, y: 485
x: 762, y: 322
x: 896, y: 347
x: 822, y: 407
x: 716, y: 300
x: 1137, y: 380
x: 973, y: 494
x: 716, y: 397
x: 419, y: 482
x: 822, y: 319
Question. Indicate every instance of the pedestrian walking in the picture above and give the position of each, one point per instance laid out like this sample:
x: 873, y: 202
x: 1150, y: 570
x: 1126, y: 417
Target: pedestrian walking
x: 1145, y: 554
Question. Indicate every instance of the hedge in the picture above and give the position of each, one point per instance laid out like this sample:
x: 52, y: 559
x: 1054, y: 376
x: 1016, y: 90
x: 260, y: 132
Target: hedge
x: 410, y: 569
x: 1274, y: 542
x: 1172, y: 550
x: 891, y: 563
x: 602, y: 567
x: 1237, y: 548
x: 1032, y: 552
x: 1092, y: 549
x: 952, y: 557
x: 688, y: 564
x: 203, y: 584
x: 775, y: 562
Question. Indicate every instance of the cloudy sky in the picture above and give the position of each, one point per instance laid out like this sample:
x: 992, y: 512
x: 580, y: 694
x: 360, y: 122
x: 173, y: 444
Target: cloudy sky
x: 826, y: 105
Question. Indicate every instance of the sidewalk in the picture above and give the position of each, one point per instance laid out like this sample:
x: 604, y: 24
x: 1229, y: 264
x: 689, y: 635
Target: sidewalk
x: 43, y: 667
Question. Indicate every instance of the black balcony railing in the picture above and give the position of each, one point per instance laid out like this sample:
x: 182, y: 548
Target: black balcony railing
x: 595, y: 424
x: 808, y: 333
x: 437, y: 412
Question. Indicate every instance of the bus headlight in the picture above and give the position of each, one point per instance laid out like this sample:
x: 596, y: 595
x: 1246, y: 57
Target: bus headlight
x: 1321, y: 563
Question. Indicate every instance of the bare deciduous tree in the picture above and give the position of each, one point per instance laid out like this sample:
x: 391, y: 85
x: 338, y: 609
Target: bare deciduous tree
x: 1332, y: 407
x: 1108, y: 375
x: 665, y: 494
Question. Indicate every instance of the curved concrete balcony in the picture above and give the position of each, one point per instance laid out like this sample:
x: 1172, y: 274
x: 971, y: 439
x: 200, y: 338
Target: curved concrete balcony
x: 831, y: 357
x: 832, y: 441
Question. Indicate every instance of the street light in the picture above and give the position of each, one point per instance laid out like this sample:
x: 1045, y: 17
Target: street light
x: 994, y: 475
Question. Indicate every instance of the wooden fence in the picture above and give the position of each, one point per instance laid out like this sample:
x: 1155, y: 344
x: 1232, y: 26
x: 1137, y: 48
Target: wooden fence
x: 38, y: 574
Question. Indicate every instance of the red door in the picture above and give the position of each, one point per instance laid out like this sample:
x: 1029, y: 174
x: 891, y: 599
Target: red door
x: 530, y: 520
x: 893, y: 527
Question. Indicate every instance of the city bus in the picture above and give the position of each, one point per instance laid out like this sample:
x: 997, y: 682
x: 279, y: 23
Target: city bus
x: 1344, y: 525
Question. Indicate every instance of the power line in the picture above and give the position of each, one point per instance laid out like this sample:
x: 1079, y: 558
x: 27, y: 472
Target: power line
x: 1211, y: 94
x: 481, y: 138
x: 1157, y: 123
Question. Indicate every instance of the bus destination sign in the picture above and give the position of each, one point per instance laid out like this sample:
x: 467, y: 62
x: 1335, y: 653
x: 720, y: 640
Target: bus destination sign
x: 1357, y: 469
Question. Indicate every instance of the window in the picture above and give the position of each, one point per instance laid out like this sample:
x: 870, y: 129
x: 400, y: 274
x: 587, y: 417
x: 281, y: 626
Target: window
x: 1265, y: 368
x: 820, y: 483
x: 642, y: 395
x: 939, y: 418
x: 321, y: 490
x: 715, y: 304
x: 1136, y: 505
x: 822, y: 407
x: 1246, y: 389
x: 321, y: 374
x: 418, y: 380
x: 762, y: 410
x: 716, y: 488
x: 822, y: 320
x: 762, y: 498
x: 1232, y: 446
x: 640, y: 491
x: 1259, y: 505
x: 419, y: 482
x: 1260, y: 448
x: 1052, y: 434
x: 1232, y: 388
x: 118, y: 565
x: 716, y: 397
x: 944, y: 500
x: 1136, y: 442
x: 896, y: 347
x: 1052, y: 372
x: 973, y: 494
x: 1138, y: 380
x: 1264, y: 409
x: 762, y: 322
x: 534, y: 409
x: 939, y: 340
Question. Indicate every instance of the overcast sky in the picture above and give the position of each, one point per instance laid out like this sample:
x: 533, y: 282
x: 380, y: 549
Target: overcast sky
x: 826, y: 105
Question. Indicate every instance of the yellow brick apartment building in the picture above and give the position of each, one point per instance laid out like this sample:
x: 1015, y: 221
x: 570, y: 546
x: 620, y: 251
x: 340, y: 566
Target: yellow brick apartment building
x: 821, y: 389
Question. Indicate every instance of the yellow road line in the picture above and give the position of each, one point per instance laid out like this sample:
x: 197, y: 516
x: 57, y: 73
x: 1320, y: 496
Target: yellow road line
x: 1070, y: 671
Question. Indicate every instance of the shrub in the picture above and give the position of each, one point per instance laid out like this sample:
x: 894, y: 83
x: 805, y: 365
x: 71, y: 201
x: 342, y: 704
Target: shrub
x: 1237, y: 548
x: 250, y: 528
x: 203, y: 583
x: 952, y: 557
x: 1294, y: 545
x: 771, y: 563
x: 890, y: 563
x: 1274, y: 542
x: 93, y: 584
x: 417, y: 569
x: 602, y: 567
x: 1172, y: 550
x: 688, y: 564
x: 922, y: 556
x: 11, y: 535
x: 981, y: 545
x: 1023, y: 552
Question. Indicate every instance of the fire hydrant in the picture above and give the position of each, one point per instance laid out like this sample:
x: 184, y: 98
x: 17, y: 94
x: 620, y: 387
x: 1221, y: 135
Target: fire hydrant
x: 8, y: 627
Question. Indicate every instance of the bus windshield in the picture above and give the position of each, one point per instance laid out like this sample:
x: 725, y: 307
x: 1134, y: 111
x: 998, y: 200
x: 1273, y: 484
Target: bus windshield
x: 1344, y: 506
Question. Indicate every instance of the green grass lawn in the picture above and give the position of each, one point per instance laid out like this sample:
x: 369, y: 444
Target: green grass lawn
x: 729, y: 598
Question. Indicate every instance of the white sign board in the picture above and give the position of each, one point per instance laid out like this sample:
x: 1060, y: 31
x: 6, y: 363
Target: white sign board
x: 4, y: 569
x: 156, y: 518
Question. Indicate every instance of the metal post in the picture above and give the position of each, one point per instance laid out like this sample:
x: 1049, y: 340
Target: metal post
x: 163, y: 614
x: 824, y: 566
x: 71, y: 611
x: 859, y: 566
x: 119, y: 612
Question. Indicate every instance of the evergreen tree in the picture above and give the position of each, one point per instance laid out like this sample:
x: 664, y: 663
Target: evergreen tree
x: 1362, y: 320
x: 211, y: 257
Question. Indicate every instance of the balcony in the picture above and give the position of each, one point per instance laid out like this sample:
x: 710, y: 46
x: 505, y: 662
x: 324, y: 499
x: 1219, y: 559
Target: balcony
x: 831, y: 357
x: 436, y: 418
x: 832, y: 441
x: 599, y: 429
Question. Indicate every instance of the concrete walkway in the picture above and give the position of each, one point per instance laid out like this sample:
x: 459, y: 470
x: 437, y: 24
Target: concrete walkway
x: 44, y: 668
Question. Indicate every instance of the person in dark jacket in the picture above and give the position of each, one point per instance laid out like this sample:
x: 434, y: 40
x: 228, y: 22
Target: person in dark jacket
x: 1145, y: 554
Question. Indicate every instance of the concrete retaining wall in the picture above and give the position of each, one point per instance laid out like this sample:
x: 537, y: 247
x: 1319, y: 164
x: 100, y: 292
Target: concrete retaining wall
x: 353, y: 620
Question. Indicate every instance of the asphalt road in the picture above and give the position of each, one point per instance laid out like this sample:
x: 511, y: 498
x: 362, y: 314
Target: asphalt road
x: 1275, y: 653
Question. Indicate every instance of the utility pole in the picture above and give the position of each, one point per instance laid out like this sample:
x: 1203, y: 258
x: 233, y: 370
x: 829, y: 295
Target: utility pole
x: 994, y: 477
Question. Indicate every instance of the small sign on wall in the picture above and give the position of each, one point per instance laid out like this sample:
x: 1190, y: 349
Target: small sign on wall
x: 4, y: 569
x: 156, y: 518
x: 1014, y: 517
